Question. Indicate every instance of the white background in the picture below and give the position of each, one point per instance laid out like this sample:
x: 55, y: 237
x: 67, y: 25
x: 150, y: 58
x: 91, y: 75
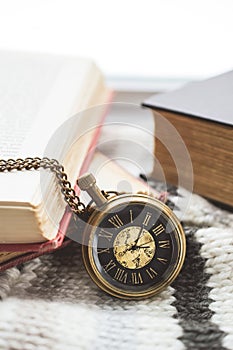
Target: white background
x: 167, y: 39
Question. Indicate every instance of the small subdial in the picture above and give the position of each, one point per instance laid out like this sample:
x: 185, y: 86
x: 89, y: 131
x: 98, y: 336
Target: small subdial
x: 134, y: 247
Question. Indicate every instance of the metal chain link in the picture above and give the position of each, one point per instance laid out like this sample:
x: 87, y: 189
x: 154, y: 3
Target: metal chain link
x: 53, y: 165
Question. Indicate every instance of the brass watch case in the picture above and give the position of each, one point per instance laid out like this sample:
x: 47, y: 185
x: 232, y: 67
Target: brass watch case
x: 87, y: 249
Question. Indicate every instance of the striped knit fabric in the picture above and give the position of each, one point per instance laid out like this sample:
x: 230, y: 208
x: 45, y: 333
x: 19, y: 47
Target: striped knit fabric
x: 50, y: 303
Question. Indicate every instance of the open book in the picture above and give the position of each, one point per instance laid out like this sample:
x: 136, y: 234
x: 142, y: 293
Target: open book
x: 39, y: 93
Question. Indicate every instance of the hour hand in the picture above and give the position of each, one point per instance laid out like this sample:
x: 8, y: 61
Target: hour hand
x: 143, y: 245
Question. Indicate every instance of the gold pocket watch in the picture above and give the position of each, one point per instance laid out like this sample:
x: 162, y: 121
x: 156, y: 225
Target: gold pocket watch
x: 133, y: 244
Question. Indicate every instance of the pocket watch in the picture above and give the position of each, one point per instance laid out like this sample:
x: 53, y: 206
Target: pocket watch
x: 133, y: 244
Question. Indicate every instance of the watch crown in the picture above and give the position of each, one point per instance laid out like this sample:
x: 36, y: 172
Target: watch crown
x: 87, y: 182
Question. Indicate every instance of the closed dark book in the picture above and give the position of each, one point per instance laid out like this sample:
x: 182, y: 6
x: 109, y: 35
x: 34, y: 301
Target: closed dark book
x: 202, y: 113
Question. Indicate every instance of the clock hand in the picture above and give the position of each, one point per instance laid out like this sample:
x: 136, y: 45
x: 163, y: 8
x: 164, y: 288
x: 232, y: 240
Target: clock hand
x: 137, y: 261
x: 139, y: 246
x: 139, y: 235
x: 127, y: 249
x: 133, y: 247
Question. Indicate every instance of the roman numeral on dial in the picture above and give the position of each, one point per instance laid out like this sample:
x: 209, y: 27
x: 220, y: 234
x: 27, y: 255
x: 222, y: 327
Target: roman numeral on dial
x: 109, y: 266
x: 158, y: 229
x: 162, y: 260
x: 103, y: 250
x: 131, y: 215
x: 136, y: 278
x: 151, y: 272
x: 121, y: 275
x: 116, y: 221
x: 105, y: 234
x: 164, y: 244
x: 147, y: 219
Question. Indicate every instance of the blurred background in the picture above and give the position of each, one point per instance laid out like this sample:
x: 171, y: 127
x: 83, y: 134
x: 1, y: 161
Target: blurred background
x: 144, y: 45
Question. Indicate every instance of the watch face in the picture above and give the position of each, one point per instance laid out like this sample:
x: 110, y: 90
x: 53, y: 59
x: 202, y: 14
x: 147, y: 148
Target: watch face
x: 135, y: 246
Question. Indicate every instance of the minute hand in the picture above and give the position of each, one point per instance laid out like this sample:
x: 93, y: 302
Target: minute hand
x: 139, y: 235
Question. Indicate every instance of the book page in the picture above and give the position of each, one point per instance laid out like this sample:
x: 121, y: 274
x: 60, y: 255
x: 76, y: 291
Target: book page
x: 38, y: 93
x: 5, y: 256
x: 24, y: 86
